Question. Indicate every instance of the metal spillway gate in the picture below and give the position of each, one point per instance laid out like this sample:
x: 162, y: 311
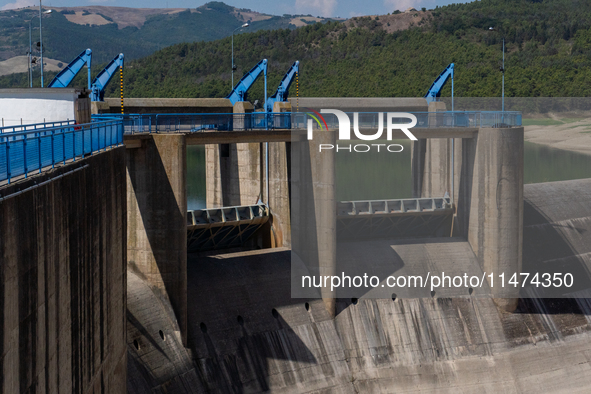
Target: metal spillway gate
x: 394, y: 218
x: 226, y: 227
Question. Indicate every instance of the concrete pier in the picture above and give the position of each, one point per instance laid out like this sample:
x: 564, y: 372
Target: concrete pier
x: 156, y: 212
x: 313, y: 219
x: 495, y: 229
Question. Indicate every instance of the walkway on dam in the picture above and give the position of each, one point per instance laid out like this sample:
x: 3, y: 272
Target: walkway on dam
x: 203, y: 129
x: 34, y: 148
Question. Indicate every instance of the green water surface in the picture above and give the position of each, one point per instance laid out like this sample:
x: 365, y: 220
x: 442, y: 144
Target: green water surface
x: 375, y: 176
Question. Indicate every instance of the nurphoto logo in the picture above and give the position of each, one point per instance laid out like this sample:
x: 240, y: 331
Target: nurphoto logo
x: 345, y: 130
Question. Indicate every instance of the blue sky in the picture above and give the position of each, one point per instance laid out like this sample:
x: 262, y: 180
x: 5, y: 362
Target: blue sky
x: 342, y: 8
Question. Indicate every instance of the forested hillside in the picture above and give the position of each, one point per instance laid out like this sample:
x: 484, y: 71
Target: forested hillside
x: 136, y: 32
x: 548, y: 53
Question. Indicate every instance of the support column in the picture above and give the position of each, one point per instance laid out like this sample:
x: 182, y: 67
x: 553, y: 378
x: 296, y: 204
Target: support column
x: 233, y: 171
x: 496, y: 208
x: 417, y: 166
x: 431, y: 164
x: 156, y: 217
x: 314, y: 209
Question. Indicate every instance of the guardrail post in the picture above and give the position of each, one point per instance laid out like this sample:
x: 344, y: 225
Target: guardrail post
x: 52, y: 149
x: 74, y: 145
x: 8, y: 159
x: 64, y: 145
x: 39, y: 146
x: 25, y: 154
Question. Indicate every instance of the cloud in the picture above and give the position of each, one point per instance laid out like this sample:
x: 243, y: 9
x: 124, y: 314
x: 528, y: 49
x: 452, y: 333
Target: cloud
x: 322, y: 7
x: 402, y: 5
x: 18, y: 4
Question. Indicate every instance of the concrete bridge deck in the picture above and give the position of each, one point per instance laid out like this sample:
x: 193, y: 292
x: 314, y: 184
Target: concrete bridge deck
x: 287, y: 135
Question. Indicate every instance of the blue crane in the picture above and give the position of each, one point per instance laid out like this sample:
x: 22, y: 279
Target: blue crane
x: 435, y: 89
x: 101, y: 80
x: 283, y: 88
x: 65, y: 77
x: 240, y: 91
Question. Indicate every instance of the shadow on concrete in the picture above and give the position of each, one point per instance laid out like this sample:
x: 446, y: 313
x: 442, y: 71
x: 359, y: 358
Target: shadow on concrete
x: 145, y: 333
x: 242, y: 319
x: 547, y: 250
x: 162, y: 219
x: 229, y: 168
x: 551, y: 312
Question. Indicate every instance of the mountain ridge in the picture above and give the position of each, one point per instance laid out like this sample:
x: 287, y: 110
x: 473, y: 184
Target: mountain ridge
x: 137, y: 32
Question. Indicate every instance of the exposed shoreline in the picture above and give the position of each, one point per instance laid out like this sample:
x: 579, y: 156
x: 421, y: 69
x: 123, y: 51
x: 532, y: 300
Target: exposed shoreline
x: 574, y: 137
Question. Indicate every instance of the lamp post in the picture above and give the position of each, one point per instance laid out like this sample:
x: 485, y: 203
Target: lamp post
x: 503, y: 71
x: 233, y: 67
x: 41, y: 37
x: 30, y: 56
x: 503, y: 78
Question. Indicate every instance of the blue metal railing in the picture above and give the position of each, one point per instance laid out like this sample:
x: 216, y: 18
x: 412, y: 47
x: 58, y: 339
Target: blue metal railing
x: 424, y: 119
x: 43, y: 148
x: 35, y: 126
x: 179, y: 122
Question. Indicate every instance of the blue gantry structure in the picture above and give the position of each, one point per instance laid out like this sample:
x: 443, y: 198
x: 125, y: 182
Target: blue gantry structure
x: 65, y: 77
x: 435, y: 90
x: 97, y: 87
x: 240, y: 91
x: 103, y: 78
x: 282, y: 92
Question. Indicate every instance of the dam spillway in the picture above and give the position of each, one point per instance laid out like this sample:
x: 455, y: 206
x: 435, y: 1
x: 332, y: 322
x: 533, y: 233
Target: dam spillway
x: 227, y: 320
x: 382, y: 345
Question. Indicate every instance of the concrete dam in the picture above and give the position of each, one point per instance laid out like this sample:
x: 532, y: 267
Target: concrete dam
x: 102, y: 292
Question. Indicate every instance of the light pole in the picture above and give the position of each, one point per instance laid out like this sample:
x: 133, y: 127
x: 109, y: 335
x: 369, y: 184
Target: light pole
x: 41, y: 37
x: 30, y: 56
x: 233, y: 67
x: 503, y: 71
x: 503, y: 78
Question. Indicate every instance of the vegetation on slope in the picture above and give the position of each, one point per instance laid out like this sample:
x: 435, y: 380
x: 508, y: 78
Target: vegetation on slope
x: 548, y: 54
x: 64, y: 39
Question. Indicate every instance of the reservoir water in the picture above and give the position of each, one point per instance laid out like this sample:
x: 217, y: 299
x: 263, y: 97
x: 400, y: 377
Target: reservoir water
x: 388, y: 176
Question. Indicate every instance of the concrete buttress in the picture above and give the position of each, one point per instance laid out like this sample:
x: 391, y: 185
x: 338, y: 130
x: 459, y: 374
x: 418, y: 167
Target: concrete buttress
x: 156, y: 214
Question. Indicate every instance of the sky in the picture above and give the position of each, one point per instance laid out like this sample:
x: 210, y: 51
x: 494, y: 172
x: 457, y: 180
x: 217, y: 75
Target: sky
x: 326, y: 8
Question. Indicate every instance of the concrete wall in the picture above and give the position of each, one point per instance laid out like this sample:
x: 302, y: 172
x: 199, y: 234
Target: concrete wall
x: 156, y: 214
x: 443, y: 345
x: 163, y: 105
x: 361, y: 104
x: 39, y: 105
x: 62, y: 279
x: 236, y: 175
x: 233, y: 173
x: 238, y: 344
x: 488, y: 194
x: 157, y: 359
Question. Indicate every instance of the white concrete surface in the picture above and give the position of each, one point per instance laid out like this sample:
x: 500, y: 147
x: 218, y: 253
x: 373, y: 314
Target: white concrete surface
x: 36, y: 105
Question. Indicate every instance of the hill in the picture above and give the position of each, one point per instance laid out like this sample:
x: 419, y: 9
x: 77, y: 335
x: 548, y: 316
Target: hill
x: 137, y: 32
x: 19, y: 63
x: 548, y: 53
